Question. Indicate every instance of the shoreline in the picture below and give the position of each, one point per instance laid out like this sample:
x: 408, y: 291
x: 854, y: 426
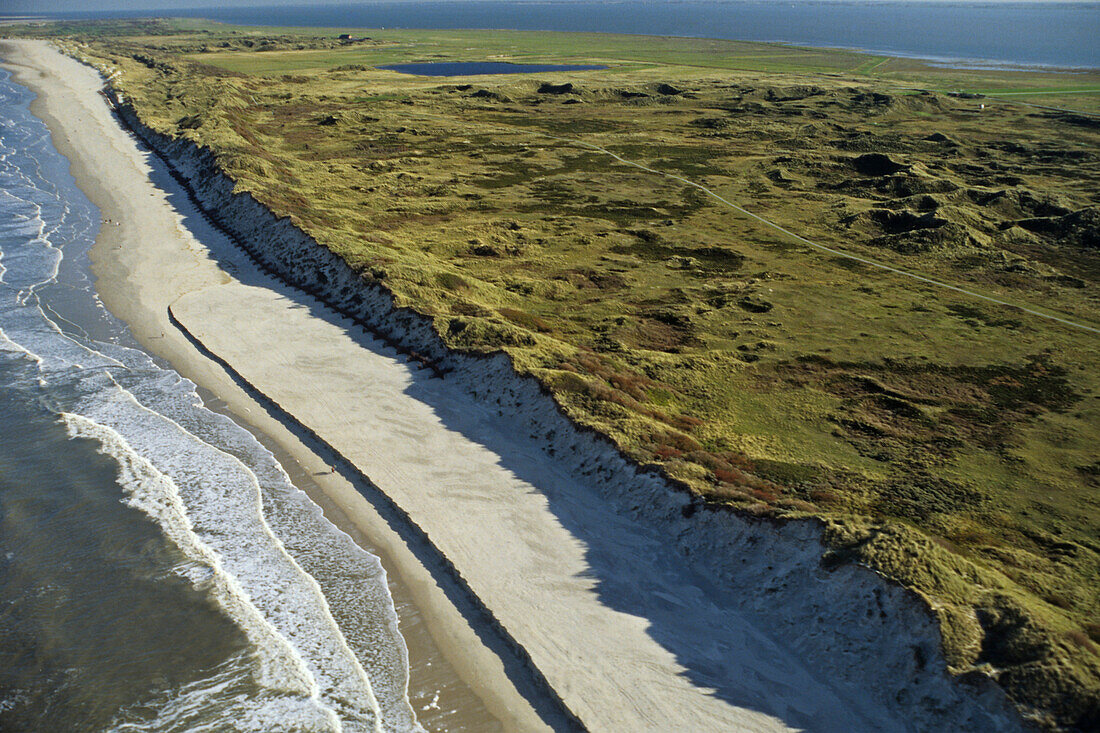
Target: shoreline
x: 793, y: 545
x: 834, y: 621
x: 130, y: 279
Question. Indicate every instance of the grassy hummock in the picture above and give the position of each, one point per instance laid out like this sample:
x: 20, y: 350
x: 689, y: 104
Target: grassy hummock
x: 946, y: 440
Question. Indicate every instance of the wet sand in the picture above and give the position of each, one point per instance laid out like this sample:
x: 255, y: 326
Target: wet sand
x: 629, y: 636
x: 147, y: 254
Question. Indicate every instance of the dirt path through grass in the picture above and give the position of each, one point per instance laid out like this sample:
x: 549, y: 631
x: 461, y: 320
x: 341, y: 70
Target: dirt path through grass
x: 822, y: 247
x: 799, y: 238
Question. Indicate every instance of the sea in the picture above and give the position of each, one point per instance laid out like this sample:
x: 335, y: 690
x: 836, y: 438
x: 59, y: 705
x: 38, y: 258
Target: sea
x: 966, y: 32
x: 159, y: 571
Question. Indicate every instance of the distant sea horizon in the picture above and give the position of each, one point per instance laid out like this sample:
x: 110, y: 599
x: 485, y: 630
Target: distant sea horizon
x: 963, y: 32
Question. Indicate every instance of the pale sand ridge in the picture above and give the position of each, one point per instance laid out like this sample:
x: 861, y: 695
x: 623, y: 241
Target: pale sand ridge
x: 428, y: 451
x: 144, y: 258
x: 625, y: 632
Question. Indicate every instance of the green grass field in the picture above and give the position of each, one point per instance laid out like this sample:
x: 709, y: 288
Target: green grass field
x: 946, y: 440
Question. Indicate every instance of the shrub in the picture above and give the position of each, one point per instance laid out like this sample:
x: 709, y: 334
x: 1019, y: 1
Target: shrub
x: 764, y: 495
x: 451, y: 281
x: 1081, y: 639
x: 731, y: 476
x: 824, y: 496
x: 527, y: 320
x: 665, y: 452
x: 686, y: 422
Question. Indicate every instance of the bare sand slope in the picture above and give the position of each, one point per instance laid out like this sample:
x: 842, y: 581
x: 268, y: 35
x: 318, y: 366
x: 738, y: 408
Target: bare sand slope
x: 626, y: 632
x: 154, y: 247
x: 510, y: 522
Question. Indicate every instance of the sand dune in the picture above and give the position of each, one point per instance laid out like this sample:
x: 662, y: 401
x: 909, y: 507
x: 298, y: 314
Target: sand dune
x: 626, y: 630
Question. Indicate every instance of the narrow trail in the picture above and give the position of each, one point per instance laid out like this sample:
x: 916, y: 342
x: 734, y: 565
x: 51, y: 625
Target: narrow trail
x: 999, y: 98
x: 840, y: 253
x: 796, y: 237
x: 1060, y: 92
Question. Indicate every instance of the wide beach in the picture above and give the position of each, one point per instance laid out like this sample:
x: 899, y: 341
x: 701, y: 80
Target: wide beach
x: 145, y: 258
x: 148, y: 259
x: 553, y: 606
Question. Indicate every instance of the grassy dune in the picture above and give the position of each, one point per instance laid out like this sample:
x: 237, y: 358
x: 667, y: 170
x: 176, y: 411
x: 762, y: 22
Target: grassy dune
x: 948, y: 441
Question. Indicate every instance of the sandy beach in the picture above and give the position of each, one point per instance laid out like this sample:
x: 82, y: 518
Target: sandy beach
x: 145, y: 257
x: 548, y: 607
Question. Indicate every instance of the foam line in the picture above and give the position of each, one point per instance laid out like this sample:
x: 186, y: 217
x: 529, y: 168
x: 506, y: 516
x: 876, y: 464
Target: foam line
x: 252, y: 540
x: 277, y: 668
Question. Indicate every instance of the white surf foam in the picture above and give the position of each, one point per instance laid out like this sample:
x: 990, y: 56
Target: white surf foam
x: 353, y: 581
x: 224, y: 497
x: 224, y: 503
x: 252, y: 539
x: 275, y: 667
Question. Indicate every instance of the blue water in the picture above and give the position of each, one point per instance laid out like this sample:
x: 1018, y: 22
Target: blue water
x: 475, y: 68
x: 1040, y: 33
x: 158, y: 569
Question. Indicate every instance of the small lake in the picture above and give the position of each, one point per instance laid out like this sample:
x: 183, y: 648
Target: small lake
x: 473, y: 68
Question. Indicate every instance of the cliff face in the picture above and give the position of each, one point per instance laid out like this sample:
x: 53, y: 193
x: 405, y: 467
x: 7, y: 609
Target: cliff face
x: 875, y: 641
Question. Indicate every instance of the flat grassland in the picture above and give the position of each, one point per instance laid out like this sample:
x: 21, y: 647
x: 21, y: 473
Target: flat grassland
x: 945, y: 439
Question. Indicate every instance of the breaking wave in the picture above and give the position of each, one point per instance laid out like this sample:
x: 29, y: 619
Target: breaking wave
x: 252, y: 542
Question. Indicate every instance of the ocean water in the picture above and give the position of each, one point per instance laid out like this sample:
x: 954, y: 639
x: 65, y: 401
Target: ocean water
x: 158, y: 569
x: 1028, y: 33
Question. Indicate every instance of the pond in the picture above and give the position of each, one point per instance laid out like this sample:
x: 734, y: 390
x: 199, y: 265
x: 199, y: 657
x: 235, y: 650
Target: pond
x: 472, y: 68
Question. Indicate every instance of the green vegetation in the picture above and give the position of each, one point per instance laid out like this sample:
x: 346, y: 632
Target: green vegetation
x: 945, y: 440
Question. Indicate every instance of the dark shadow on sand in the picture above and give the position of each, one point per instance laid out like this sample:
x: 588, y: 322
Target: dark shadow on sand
x: 636, y: 567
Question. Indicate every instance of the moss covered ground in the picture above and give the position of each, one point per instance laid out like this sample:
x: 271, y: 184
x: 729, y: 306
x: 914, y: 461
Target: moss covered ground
x: 946, y: 440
